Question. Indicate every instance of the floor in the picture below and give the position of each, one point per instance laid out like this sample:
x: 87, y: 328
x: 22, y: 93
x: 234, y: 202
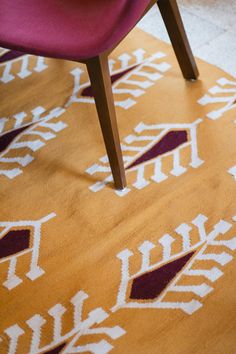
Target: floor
x: 211, y: 29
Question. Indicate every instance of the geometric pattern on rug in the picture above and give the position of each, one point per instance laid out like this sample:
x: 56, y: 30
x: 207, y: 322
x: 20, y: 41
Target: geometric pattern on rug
x: 67, y: 342
x: 17, y: 239
x: 158, y: 275
x: 155, y: 280
x: 225, y: 93
x: 9, y: 58
x: 136, y: 72
x: 176, y: 265
x: 30, y: 136
x: 166, y: 140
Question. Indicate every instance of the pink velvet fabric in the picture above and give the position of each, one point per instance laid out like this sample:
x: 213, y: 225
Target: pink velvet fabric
x: 68, y: 29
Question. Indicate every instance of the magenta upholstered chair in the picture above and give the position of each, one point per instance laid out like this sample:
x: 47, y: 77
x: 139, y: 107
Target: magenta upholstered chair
x: 87, y: 31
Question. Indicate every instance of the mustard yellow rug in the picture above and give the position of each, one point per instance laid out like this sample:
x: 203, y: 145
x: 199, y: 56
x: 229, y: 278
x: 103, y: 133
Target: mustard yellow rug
x: 86, y: 269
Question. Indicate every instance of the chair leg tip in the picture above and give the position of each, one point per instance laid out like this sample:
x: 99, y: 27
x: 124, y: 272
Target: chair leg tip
x: 192, y: 76
x: 120, y: 189
x: 120, y: 186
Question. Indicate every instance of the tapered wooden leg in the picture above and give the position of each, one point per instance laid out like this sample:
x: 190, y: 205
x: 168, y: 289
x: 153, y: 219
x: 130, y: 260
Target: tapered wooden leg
x: 98, y: 70
x: 174, y: 25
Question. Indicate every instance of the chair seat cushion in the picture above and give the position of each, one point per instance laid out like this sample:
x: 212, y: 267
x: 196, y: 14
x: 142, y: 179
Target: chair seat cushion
x: 69, y: 29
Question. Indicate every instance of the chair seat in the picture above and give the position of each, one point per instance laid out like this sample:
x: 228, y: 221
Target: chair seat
x: 68, y: 29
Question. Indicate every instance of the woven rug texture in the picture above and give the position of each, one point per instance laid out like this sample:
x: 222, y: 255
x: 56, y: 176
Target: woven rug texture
x: 87, y: 269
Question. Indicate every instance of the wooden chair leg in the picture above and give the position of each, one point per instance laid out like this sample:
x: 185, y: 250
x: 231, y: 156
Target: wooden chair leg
x: 174, y: 25
x: 98, y: 70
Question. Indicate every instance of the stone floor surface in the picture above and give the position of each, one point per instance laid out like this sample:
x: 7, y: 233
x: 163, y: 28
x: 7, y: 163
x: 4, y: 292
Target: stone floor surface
x: 210, y: 26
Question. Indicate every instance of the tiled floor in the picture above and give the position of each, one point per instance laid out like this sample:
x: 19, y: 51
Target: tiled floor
x: 211, y: 29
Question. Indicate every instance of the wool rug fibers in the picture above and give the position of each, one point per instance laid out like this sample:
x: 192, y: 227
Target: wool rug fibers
x: 87, y: 269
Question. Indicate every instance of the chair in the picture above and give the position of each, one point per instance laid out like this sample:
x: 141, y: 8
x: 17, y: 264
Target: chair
x: 72, y: 30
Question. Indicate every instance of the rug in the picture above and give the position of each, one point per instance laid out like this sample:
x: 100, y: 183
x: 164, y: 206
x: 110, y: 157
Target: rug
x: 87, y: 269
